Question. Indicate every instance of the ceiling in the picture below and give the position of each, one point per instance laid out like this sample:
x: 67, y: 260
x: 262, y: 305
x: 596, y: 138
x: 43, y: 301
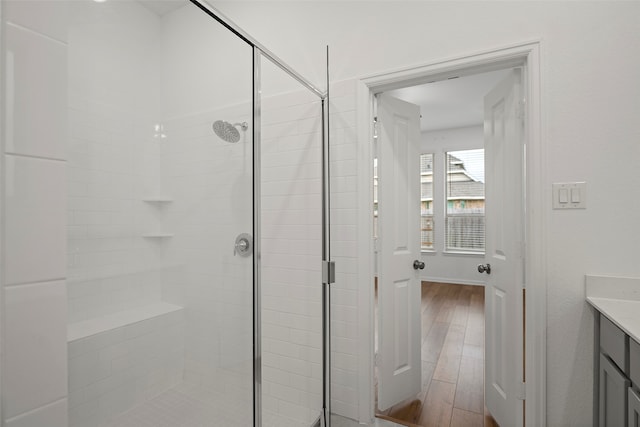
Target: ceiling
x: 162, y: 7
x: 453, y: 103
x: 444, y: 104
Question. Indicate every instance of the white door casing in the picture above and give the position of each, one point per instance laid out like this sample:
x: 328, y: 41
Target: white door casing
x: 399, y: 288
x: 503, y: 138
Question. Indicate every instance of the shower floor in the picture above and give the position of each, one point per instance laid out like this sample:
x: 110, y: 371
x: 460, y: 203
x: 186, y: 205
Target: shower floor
x: 189, y: 405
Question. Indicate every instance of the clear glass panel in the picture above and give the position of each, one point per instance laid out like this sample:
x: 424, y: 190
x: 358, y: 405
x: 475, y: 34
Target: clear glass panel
x: 465, y: 200
x: 291, y: 150
x: 160, y: 306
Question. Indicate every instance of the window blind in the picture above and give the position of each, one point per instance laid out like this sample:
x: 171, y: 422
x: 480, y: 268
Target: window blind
x: 464, y: 214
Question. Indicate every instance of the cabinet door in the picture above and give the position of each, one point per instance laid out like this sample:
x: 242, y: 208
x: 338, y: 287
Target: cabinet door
x: 634, y: 409
x: 613, y: 394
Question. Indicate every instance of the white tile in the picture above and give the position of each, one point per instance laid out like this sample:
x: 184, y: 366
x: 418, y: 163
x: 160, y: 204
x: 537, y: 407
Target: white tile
x: 52, y: 415
x: 36, y: 95
x: 36, y: 219
x: 49, y: 17
x: 35, y: 365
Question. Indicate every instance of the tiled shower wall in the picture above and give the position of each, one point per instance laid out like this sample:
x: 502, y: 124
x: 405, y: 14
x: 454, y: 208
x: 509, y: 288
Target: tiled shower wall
x: 211, y: 186
x: 344, y: 212
x: 114, y: 159
x: 112, y: 371
x: 114, y: 164
x: 291, y: 258
x: 35, y: 297
x: 208, y: 77
x: 34, y: 117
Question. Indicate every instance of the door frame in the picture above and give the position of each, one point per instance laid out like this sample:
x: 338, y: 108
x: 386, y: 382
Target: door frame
x: 526, y: 55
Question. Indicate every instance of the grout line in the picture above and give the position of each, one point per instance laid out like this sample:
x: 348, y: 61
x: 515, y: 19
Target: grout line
x: 37, y: 282
x: 9, y: 421
x: 32, y: 31
x: 29, y: 156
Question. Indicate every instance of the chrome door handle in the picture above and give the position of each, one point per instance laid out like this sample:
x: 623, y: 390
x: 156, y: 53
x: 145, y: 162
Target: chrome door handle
x: 484, y: 268
x: 418, y: 265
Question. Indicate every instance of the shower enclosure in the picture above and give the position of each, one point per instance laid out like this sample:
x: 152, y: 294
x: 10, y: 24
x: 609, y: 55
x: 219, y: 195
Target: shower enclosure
x: 198, y: 253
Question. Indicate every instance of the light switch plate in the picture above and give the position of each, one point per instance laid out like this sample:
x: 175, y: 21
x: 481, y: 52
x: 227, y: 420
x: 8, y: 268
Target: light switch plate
x: 570, y: 195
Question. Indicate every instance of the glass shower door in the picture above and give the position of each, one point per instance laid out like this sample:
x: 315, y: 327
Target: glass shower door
x: 160, y: 172
x: 291, y: 141
x: 208, y: 166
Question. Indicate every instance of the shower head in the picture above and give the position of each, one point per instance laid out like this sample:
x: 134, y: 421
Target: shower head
x: 228, y: 131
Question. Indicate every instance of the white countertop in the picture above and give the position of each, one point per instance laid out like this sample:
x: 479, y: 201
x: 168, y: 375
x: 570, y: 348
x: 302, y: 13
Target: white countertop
x: 618, y: 298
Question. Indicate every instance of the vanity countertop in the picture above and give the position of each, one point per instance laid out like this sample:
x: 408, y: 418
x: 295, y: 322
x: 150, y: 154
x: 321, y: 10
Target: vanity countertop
x: 618, y: 298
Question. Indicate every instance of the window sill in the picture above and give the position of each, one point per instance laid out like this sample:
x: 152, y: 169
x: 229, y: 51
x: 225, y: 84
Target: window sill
x: 428, y: 251
x: 464, y: 253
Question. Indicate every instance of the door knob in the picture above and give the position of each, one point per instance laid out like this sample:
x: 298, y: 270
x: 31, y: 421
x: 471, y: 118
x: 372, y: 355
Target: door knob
x: 418, y: 265
x: 484, y: 268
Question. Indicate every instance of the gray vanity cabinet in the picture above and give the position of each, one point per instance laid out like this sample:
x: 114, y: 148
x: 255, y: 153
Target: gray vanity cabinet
x: 618, y: 381
x: 613, y: 394
x: 634, y: 409
x: 634, y: 374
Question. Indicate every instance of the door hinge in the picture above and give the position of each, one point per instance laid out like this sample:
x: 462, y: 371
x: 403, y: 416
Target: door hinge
x: 522, y: 391
x: 328, y: 272
x: 520, y: 109
x: 375, y: 129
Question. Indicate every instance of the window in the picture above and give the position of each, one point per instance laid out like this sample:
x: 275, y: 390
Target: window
x: 464, y: 215
x: 375, y: 198
x: 426, y: 201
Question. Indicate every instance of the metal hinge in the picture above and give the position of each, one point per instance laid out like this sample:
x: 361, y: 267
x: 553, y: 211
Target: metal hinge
x: 522, y: 391
x: 328, y: 272
x: 375, y: 128
x: 520, y: 109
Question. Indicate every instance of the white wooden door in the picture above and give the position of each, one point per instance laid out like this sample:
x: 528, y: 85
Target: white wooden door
x: 503, y: 138
x: 399, y: 326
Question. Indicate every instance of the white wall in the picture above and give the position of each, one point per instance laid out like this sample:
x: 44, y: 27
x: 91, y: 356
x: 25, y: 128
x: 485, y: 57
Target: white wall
x: 204, y: 64
x: 591, y: 102
x: 34, y: 117
x: 441, y: 266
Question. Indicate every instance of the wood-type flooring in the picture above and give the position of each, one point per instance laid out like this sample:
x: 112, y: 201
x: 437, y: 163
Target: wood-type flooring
x: 452, y: 361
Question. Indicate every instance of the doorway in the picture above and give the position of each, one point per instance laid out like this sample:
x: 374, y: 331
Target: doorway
x: 452, y: 245
x: 518, y: 56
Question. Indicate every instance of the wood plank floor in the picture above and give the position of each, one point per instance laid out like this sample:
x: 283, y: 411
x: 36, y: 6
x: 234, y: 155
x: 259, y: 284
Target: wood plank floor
x: 452, y: 361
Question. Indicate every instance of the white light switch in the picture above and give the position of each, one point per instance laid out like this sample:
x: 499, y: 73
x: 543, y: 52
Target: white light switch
x: 569, y: 195
x: 563, y: 195
x: 575, y: 195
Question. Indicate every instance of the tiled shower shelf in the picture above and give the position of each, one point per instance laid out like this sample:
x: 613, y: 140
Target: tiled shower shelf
x: 89, y: 327
x: 157, y: 235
